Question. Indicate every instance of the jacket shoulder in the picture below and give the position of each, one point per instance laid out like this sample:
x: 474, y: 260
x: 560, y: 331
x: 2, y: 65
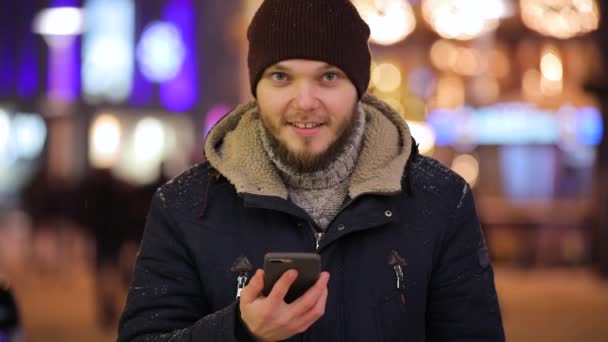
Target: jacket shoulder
x: 430, y: 176
x: 187, y: 189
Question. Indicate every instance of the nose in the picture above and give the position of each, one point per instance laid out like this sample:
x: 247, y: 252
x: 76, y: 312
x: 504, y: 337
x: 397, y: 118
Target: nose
x: 306, y: 98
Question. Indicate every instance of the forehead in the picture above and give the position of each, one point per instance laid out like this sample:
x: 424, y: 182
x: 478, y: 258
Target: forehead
x: 302, y: 65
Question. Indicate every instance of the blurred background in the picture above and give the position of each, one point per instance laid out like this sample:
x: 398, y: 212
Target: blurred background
x: 101, y: 101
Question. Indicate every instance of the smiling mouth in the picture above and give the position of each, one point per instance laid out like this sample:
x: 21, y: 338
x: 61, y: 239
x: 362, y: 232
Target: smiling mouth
x: 303, y: 125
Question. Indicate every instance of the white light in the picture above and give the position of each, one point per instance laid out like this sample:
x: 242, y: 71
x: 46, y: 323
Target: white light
x: 551, y: 84
x: 160, y: 51
x: 149, y: 140
x: 467, y: 167
x: 30, y: 135
x: 551, y: 66
x: 59, y: 21
x: 107, y: 50
x: 465, y: 19
x: 390, y: 21
x: 424, y: 135
x: 5, y: 133
x: 386, y: 77
x: 105, y: 140
x: 560, y: 18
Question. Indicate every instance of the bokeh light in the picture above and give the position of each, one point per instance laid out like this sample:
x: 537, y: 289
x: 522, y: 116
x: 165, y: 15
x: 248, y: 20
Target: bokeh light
x: 149, y: 140
x: 560, y: 18
x: 390, y: 21
x: 467, y: 167
x: 160, y: 51
x: 424, y: 135
x: 30, y: 135
x: 105, y: 141
x: 464, y: 19
x: 386, y: 77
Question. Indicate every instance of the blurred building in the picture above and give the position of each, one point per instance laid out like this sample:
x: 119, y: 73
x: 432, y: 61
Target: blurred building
x: 505, y: 92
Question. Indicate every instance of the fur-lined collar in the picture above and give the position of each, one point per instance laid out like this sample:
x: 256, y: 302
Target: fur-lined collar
x: 235, y: 150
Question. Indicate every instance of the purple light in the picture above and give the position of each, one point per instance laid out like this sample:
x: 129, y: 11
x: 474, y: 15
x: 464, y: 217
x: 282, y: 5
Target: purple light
x: 179, y: 94
x: 61, y: 73
x: 27, y: 79
x: 63, y: 64
x: 215, y: 114
x: 64, y: 3
x: 143, y: 91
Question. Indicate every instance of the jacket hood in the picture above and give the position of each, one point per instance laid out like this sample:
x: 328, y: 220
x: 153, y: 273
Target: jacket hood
x: 235, y: 150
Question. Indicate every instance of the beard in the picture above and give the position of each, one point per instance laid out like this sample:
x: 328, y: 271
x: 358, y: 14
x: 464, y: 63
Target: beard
x: 308, y: 162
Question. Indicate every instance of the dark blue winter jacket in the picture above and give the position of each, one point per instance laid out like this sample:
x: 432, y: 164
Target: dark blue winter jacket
x: 424, y: 220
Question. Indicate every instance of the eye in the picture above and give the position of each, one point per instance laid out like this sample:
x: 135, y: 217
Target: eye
x: 330, y: 76
x: 279, y: 76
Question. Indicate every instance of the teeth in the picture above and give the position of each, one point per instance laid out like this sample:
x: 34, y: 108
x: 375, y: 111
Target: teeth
x: 305, y: 125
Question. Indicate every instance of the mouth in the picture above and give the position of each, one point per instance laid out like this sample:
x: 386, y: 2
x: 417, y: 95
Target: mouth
x: 306, y: 129
x: 305, y: 125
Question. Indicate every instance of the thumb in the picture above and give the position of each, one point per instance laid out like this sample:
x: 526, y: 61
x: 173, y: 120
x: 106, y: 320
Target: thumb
x: 254, y: 289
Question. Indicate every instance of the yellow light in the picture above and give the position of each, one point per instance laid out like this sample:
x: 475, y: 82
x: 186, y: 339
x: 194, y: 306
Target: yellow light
x: 105, y: 140
x: 530, y: 84
x: 467, y: 167
x: 499, y: 63
x: 468, y: 62
x: 450, y: 92
x: 550, y: 87
x: 395, y: 104
x: 386, y: 77
x: 551, y: 66
x: 486, y: 89
x: 443, y: 54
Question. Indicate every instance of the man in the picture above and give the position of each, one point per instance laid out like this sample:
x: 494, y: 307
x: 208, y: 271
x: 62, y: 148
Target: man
x: 10, y: 328
x: 313, y: 165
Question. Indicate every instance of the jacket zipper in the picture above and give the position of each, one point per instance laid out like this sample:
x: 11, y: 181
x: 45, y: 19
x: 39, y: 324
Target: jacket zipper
x: 318, y: 238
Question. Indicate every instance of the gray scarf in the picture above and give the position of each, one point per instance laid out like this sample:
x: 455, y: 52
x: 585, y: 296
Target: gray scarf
x: 322, y: 192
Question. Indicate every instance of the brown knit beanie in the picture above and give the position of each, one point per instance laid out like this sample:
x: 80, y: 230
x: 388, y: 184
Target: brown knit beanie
x: 324, y: 30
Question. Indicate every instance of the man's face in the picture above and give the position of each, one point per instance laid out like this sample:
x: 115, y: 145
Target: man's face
x: 308, y: 107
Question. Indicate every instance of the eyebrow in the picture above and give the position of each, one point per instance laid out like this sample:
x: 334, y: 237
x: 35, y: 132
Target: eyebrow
x: 281, y: 67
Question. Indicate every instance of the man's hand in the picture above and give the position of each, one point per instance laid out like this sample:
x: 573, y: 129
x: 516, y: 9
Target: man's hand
x: 270, y: 319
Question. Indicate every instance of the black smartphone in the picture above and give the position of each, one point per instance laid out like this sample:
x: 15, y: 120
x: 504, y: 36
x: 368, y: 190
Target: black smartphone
x: 308, y: 266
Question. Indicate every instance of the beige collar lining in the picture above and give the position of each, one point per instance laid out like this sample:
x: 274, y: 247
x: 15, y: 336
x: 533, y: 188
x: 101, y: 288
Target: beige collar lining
x: 235, y: 150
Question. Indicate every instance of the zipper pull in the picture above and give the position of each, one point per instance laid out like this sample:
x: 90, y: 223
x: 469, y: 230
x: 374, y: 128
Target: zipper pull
x: 397, y: 263
x: 241, y: 281
x: 318, y: 237
x: 242, y: 266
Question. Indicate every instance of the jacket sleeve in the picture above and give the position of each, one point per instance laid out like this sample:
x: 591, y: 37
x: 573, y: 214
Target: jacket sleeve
x: 463, y: 305
x: 165, y: 301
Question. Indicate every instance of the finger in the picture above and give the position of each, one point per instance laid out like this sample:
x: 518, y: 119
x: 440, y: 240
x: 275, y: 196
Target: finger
x: 280, y: 288
x: 254, y: 289
x: 317, y: 311
x: 311, y: 296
